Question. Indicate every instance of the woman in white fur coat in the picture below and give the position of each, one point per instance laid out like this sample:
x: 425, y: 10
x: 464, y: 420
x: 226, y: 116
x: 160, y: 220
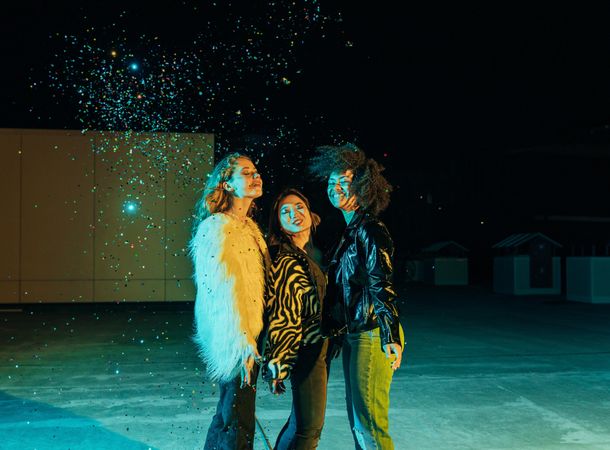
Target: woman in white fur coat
x: 230, y: 259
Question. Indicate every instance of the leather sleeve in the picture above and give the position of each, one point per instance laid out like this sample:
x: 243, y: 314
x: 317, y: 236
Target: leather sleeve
x: 378, y: 252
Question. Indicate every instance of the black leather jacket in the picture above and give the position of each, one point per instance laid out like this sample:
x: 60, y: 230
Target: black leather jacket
x: 361, y: 296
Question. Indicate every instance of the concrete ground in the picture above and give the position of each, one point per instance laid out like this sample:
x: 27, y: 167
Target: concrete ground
x: 483, y: 371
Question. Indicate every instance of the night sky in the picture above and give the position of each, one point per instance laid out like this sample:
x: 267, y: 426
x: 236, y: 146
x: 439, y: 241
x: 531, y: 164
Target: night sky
x: 488, y: 120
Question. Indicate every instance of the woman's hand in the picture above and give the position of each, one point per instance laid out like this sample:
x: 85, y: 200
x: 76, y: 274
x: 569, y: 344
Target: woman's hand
x: 335, y: 344
x: 250, y: 357
x: 277, y: 387
x: 396, y: 349
x: 276, y: 384
x: 246, y: 372
x: 351, y: 204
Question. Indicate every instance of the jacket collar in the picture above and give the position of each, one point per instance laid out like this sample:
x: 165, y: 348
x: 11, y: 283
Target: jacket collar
x: 289, y: 248
x: 357, y: 219
x: 348, y: 234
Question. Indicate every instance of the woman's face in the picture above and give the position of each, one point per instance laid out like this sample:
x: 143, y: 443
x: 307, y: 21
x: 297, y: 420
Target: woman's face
x: 339, y: 189
x: 293, y: 214
x: 245, y: 182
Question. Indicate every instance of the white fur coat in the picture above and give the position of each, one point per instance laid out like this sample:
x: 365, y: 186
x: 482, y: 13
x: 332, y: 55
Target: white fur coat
x: 230, y: 260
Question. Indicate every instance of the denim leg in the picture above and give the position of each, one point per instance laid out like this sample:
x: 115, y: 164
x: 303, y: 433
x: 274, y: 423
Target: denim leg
x: 370, y: 376
x: 232, y: 426
x: 346, y: 354
x: 308, y: 383
x: 284, y: 439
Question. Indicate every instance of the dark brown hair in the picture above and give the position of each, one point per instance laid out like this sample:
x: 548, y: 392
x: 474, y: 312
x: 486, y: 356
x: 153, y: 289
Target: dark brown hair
x: 370, y: 187
x: 276, y: 234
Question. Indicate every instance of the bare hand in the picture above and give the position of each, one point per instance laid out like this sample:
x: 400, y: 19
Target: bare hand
x: 396, y: 349
x: 246, y: 372
x: 276, y: 384
x: 351, y: 204
x: 251, y: 357
x: 335, y: 344
x: 277, y: 387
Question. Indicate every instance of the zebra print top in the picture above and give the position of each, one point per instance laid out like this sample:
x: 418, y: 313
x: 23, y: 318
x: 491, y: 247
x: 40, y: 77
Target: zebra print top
x: 294, y: 316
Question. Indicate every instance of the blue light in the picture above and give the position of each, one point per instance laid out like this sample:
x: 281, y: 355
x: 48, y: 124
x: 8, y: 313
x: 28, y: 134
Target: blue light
x: 134, y: 66
x: 130, y: 207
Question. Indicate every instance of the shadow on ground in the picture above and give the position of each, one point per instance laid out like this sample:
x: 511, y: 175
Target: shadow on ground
x: 27, y: 424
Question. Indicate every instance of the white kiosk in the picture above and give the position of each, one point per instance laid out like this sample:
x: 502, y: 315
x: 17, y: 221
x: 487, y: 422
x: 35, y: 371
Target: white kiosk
x: 588, y: 279
x: 527, y: 265
x: 445, y: 264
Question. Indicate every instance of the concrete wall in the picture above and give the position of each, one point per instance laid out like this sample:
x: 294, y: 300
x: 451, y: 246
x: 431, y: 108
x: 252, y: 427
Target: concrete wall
x: 588, y: 279
x: 512, y: 276
x: 65, y: 235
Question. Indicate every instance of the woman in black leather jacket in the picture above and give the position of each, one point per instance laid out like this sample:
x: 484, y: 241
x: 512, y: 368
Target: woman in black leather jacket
x: 361, y: 301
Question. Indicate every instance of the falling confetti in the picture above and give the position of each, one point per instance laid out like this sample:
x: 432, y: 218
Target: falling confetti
x: 221, y: 78
x: 121, y: 81
x: 143, y: 92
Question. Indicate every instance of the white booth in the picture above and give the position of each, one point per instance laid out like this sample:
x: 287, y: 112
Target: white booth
x: 588, y: 279
x: 526, y: 264
x: 445, y: 264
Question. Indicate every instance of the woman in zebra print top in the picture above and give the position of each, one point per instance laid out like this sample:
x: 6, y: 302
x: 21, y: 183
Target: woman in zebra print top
x: 296, y: 349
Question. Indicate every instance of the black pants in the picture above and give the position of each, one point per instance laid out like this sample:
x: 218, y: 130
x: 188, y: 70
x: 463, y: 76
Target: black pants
x: 308, y: 382
x: 232, y: 426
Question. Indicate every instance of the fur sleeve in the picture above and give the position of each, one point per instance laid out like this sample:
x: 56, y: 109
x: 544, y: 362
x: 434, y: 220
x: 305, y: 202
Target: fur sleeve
x: 229, y: 276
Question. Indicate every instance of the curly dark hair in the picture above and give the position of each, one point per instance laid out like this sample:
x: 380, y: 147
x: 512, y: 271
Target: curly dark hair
x: 371, y: 188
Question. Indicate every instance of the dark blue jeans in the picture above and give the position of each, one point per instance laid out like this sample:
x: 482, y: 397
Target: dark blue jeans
x: 308, y: 382
x: 232, y: 426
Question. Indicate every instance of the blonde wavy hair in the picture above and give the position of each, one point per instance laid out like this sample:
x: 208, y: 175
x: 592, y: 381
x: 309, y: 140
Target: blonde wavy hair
x: 215, y: 198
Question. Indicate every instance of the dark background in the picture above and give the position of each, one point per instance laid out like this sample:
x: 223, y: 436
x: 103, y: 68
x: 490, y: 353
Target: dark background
x: 489, y: 120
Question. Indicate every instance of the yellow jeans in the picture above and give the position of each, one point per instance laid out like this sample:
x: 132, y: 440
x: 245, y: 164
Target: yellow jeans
x: 368, y: 377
